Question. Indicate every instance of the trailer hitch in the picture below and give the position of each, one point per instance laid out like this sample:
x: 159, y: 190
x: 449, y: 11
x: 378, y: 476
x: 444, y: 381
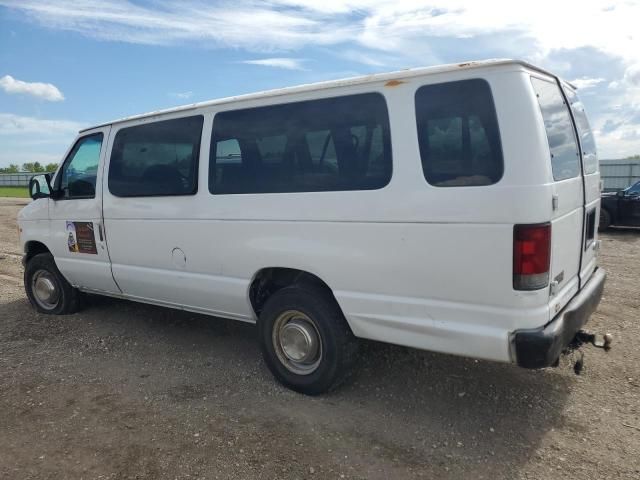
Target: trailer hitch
x: 595, y: 339
x: 586, y: 337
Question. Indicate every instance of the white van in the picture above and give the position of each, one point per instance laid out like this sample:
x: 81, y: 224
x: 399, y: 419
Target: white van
x: 450, y: 208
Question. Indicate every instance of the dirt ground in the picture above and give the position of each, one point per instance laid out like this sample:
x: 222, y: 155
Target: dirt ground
x: 124, y: 390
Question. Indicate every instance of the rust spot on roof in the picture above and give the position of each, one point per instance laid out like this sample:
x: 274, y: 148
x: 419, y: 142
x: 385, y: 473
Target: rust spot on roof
x: 393, y: 83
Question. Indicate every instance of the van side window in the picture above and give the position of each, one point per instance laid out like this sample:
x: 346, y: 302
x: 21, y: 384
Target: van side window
x: 156, y: 159
x: 458, y: 134
x: 587, y: 141
x: 332, y: 144
x: 78, y: 174
x: 565, y: 160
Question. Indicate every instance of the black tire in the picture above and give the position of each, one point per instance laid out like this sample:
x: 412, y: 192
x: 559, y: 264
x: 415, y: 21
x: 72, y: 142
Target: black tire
x: 66, y: 299
x: 338, y: 346
x: 605, y: 219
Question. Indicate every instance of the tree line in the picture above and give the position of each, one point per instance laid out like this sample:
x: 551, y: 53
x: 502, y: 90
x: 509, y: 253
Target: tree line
x: 31, y: 167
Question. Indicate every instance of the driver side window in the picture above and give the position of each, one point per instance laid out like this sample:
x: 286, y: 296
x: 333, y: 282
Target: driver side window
x: 78, y: 174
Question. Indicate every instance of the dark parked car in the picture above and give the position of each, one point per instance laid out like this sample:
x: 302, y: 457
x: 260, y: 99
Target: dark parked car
x: 621, y: 208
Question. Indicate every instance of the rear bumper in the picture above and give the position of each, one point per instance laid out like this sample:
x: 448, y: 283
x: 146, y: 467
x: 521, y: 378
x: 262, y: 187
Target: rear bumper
x: 541, y: 347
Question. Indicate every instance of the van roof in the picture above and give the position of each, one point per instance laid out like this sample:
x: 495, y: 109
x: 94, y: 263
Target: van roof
x: 364, y: 79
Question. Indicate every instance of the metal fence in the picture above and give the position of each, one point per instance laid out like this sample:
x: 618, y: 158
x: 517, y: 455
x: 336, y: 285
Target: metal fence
x: 15, y: 179
x: 619, y: 174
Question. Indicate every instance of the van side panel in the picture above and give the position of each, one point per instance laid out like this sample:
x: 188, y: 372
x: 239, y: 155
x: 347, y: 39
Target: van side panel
x: 410, y: 263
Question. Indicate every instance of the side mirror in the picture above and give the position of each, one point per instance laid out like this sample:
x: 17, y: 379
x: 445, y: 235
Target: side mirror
x: 40, y: 186
x: 621, y: 193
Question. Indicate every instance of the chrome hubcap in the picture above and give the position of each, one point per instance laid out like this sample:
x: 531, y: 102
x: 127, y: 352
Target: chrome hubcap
x: 297, y: 342
x: 45, y: 289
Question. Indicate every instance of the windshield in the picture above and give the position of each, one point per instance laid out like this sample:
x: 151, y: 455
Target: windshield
x: 633, y: 189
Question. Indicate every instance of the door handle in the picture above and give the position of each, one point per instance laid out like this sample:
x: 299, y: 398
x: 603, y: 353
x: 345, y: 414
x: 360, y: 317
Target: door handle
x: 100, y: 235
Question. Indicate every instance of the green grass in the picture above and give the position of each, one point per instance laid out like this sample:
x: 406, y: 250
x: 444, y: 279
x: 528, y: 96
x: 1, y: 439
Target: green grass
x: 21, y: 192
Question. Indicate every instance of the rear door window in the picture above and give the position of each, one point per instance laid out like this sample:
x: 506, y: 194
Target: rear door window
x: 156, y: 159
x: 565, y: 159
x: 587, y: 141
x: 458, y: 134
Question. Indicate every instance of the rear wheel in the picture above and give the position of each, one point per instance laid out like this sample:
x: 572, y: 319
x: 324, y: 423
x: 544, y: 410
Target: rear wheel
x: 46, y: 288
x: 605, y: 219
x: 305, y: 339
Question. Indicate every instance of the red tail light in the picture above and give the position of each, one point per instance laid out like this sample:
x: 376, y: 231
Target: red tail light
x: 531, y: 256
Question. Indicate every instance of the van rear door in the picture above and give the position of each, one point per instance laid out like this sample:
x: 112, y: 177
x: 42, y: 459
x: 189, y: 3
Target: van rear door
x: 591, y: 183
x: 567, y: 202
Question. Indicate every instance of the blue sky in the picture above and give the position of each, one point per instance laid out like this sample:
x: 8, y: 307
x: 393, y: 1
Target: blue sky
x: 67, y: 64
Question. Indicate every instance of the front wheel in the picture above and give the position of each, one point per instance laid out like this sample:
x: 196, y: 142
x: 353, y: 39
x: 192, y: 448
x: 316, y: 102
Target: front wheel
x: 305, y: 339
x: 46, y: 288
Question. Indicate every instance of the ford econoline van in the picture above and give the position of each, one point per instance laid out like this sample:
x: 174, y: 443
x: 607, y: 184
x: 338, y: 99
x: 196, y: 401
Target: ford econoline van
x: 450, y: 208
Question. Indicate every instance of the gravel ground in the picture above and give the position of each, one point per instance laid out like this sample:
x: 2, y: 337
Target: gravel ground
x: 125, y: 390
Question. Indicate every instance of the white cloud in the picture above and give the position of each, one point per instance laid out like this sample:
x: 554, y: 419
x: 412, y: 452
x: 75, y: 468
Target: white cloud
x: 407, y: 28
x: 373, y: 60
x: 385, y: 33
x: 617, y: 129
x: 31, y: 139
x: 585, y: 82
x: 621, y: 143
x: 245, y: 24
x: 280, y: 62
x: 11, y: 124
x: 182, y: 95
x: 632, y: 75
x: 377, y: 24
x: 46, y: 91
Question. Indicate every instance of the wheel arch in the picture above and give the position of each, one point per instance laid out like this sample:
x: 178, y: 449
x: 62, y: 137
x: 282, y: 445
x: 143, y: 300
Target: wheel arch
x: 268, y: 280
x: 33, y: 248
